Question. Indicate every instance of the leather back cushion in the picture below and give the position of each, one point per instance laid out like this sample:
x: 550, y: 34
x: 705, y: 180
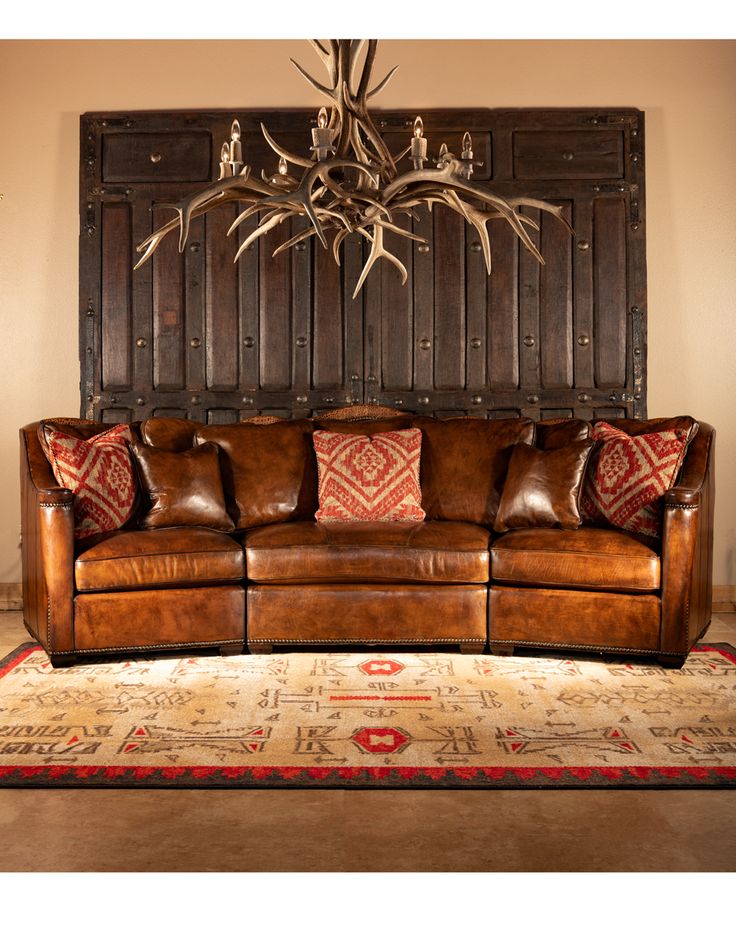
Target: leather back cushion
x: 542, y: 488
x: 464, y: 464
x: 268, y: 471
x: 183, y: 487
x: 558, y: 432
x: 169, y: 434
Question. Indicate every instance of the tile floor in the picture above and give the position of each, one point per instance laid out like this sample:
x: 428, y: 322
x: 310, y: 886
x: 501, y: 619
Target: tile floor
x: 144, y: 830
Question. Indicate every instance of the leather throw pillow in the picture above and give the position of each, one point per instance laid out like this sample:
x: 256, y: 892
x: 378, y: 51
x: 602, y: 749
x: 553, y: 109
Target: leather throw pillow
x: 99, y: 471
x: 184, y: 488
x: 628, y: 476
x: 369, y: 479
x: 268, y: 470
x: 542, y: 487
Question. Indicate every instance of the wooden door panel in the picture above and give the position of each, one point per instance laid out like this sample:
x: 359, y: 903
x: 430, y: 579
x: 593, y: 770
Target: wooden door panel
x: 194, y: 333
x: 117, y: 324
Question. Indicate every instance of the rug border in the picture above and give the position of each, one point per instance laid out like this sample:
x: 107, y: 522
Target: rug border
x: 379, y: 778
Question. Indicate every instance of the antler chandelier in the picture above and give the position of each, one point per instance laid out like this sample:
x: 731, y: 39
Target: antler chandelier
x: 351, y: 182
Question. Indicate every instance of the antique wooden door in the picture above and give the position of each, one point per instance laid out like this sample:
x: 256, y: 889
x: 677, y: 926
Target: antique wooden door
x: 194, y: 335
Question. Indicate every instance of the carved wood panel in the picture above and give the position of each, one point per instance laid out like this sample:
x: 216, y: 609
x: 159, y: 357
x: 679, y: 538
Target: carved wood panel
x: 193, y: 334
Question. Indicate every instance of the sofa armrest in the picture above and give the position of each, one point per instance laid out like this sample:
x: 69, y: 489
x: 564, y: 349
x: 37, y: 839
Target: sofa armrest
x: 47, y: 526
x: 687, y: 547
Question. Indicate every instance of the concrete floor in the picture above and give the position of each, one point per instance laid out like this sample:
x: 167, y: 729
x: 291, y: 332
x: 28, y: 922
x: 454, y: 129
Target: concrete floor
x: 132, y: 830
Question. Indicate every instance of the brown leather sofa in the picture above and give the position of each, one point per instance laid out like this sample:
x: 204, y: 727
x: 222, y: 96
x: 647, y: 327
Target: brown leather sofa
x: 282, y: 580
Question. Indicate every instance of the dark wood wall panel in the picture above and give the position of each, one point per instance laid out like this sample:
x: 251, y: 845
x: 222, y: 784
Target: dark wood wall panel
x: 397, y: 314
x: 117, y: 324
x: 169, y: 309
x: 222, y: 337
x: 328, y: 350
x: 609, y: 238
x: 502, y: 310
x: 555, y: 305
x: 194, y: 334
x: 449, y: 299
x: 275, y: 312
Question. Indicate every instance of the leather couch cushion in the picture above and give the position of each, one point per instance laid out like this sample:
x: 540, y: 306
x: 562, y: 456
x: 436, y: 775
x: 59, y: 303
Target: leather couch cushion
x: 542, y: 488
x: 268, y: 471
x: 598, y: 559
x: 557, y: 432
x: 158, y: 558
x: 184, y: 487
x: 301, y: 552
x: 464, y: 463
x: 169, y: 434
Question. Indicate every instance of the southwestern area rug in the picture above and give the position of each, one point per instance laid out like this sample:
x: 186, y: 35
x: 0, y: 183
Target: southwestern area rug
x: 372, y: 719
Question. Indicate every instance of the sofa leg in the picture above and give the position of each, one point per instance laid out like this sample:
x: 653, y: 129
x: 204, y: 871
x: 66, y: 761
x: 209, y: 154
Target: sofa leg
x: 472, y: 648
x: 62, y: 661
x: 231, y: 649
x: 500, y: 648
x: 260, y: 648
x: 671, y: 661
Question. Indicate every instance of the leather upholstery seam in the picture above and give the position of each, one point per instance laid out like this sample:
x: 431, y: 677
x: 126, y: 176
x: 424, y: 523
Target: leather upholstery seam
x: 417, y: 639
x: 163, y: 645
x: 582, y: 554
x: 147, y: 554
x: 568, y: 585
x: 569, y: 645
x: 476, y: 552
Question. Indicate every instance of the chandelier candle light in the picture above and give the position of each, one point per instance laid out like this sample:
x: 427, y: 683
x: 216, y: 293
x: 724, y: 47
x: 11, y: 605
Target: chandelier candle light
x: 351, y: 183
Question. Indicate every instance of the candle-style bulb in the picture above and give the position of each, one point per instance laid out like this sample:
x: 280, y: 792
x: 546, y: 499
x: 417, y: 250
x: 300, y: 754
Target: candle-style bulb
x: 468, y: 145
x: 418, y: 127
x: 236, y: 148
x: 283, y: 166
x: 226, y: 167
x: 322, y: 118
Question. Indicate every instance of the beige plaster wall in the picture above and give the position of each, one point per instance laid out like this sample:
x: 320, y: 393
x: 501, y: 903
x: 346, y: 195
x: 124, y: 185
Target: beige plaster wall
x: 685, y: 87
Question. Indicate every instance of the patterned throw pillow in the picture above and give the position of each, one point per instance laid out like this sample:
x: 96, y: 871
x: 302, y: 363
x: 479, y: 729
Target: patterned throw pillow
x: 99, y: 472
x: 628, y: 475
x: 369, y: 479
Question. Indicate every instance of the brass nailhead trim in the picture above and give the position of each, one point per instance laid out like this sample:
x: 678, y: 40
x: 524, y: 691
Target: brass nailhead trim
x: 56, y: 505
x: 681, y: 505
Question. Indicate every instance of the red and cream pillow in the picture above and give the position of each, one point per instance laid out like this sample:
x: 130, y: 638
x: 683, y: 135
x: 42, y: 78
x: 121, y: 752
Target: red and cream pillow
x: 99, y: 471
x: 628, y: 475
x: 369, y: 479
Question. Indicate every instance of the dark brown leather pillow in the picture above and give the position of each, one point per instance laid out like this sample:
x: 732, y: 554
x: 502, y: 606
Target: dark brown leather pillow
x: 169, y: 434
x: 557, y: 432
x: 464, y: 463
x: 542, y: 488
x: 269, y: 472
x: 185, y: 487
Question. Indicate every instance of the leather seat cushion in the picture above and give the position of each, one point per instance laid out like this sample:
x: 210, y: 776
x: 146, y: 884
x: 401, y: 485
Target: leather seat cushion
x: 159, y: 558
x: 596, y: 559
x: 304, y: 552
